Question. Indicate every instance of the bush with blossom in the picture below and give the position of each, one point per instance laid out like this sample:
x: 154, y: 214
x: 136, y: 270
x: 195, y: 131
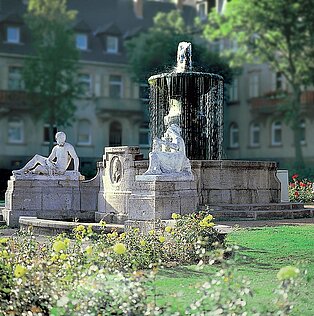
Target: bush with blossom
x: 301, y: 190
x: 102, y: 274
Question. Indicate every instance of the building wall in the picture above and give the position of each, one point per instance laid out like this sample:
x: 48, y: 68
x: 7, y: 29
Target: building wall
x: 97, y: 108
x: 264, y: 110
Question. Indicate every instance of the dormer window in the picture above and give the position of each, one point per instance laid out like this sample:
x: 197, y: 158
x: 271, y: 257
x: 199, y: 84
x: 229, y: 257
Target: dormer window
x: 13, y: 34
x: 112, y: 44
x: 81, y: 41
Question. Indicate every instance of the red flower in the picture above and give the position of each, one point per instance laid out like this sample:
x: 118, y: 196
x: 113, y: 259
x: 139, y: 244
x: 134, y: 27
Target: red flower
x: 302, y: 184
x: 296, y: 194
x: 295, y: 176
x: 292, y: 185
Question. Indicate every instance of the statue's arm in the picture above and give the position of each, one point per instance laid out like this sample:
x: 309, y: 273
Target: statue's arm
x: 52, y: 155
x: 74, y: 156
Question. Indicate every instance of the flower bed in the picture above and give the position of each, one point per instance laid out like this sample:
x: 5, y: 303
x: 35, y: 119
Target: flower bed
x: 113, y: 274
x: 301, y: 190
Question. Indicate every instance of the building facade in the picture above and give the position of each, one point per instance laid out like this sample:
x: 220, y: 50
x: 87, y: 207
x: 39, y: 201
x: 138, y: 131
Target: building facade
x: 113, y: 109
x: 254, y: 124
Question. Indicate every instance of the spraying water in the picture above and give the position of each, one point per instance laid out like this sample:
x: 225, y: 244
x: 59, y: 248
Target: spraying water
x: 198, y: 100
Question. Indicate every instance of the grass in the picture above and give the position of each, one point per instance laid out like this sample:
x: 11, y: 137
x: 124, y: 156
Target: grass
x: 262, y: 252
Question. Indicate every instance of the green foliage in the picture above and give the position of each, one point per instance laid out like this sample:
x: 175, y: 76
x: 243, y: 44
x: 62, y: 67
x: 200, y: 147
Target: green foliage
x: 261, y: 254
x: 262, y: 27
x: 80, y: 276
x: 50, y: 73
x: 279, y: 33
x: 155, y: 51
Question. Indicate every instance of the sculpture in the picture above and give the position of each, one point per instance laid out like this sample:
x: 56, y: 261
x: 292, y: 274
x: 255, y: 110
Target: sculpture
x: 57, y: 162
x: 168, y: 154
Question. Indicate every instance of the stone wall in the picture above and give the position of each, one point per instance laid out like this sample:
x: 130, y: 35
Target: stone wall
x: 59, y: 198
x: 232, y: 181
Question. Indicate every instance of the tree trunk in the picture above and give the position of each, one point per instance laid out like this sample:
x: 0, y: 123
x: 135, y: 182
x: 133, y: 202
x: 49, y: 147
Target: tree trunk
x: 296, y: 127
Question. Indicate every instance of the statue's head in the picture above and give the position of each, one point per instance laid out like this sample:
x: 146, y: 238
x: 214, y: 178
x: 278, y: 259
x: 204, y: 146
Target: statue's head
x: 60, y: 138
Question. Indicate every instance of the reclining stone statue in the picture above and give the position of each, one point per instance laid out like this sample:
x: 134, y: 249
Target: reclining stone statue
x: 168, y: 154
x: 57, y: 162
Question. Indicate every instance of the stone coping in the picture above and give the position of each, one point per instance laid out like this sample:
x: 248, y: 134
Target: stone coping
x: 63, y: 225
x: 59, y: 226
x: 68, y: 175
x: 248, y: 164
x: 165, y: 177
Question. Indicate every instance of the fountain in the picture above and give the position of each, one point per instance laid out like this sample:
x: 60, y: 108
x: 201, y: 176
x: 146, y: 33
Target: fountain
x: 185, y: 171
x: 200, y: 99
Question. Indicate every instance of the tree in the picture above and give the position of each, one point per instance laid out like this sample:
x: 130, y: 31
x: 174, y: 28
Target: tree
x: 50, y: 73
x: 155, y: 51
x: 279, y: 33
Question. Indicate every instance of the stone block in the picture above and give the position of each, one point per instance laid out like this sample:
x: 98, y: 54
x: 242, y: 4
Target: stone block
x: 57, y: 197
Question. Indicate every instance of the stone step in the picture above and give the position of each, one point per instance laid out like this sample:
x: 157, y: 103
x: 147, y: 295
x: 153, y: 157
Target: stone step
x: 257, y: 207
x: 231, y: 214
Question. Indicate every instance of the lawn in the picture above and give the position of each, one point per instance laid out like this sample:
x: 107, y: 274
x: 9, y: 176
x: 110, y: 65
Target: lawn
x: 262, y: 252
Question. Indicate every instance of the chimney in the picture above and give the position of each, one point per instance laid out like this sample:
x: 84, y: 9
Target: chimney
x: 138, y: 8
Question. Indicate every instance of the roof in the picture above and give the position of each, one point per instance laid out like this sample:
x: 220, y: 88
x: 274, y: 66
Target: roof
x: 96, y: 18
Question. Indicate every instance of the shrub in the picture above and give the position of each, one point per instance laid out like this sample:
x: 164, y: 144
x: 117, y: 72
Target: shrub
x: 300, y: 190
x: 101, y: 274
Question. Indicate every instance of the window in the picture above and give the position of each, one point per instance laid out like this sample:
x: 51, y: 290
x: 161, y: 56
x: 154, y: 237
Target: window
x: 302, y: 132
x: 221, y: 4
x: 233, y: 90
x: 81, y: 41
x: 276, y: 133
x: 13, y: 34
x: 46, y: 137
x: 202, y: 10
x: 279, y: 83
x: 85, y: 83
x: 144, y: 92
x: 84, y: 136
x: 254, y: 85
x: 234, y: 135
x: 115, y: 134
x: 115, y: 86
x: 112, y: 44
x: 15, y: 130
x: 15, y: 81
x: 255, y: 135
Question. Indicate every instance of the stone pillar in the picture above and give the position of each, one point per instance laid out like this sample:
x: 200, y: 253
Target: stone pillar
x: 157, y: 197
x: 283, y: 177
x: 118, y: 181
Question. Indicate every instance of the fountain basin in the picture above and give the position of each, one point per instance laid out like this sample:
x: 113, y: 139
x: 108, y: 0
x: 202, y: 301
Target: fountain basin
x: 225, y: 182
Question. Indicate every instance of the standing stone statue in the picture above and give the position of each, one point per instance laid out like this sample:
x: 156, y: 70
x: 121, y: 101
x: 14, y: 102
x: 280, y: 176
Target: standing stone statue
x: 57, y: 162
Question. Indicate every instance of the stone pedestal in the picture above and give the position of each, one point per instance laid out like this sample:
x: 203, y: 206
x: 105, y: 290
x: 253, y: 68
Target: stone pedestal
x: 118, y: 181
x: 283, y: 177
x: 157, y: 197
x: 47, y: 197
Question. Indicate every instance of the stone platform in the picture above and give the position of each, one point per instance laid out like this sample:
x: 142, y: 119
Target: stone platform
x: 62, y: 197
x: 257, y: 212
